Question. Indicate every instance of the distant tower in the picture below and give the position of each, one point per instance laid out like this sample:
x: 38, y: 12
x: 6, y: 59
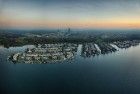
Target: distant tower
x: 69, y: 30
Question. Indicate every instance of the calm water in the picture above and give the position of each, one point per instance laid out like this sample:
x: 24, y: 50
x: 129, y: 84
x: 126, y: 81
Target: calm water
x: 114, y: 73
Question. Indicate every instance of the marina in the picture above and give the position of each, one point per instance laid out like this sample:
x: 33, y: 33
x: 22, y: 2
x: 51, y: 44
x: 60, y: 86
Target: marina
x: 95, y: 70
x: 51, y: 53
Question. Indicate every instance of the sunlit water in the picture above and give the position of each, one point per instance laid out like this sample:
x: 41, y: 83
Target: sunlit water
x: 114, y: 73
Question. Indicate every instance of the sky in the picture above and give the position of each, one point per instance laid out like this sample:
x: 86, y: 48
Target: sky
x: 70, y: 13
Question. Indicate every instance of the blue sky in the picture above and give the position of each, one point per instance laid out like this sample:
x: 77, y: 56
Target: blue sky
x: 70, y: 13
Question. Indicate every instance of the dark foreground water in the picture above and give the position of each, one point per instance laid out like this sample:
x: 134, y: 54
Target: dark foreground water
x: 114, y: 73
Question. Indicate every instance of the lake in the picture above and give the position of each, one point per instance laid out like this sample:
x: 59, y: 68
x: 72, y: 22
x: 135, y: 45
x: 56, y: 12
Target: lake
x: 113, y: 73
